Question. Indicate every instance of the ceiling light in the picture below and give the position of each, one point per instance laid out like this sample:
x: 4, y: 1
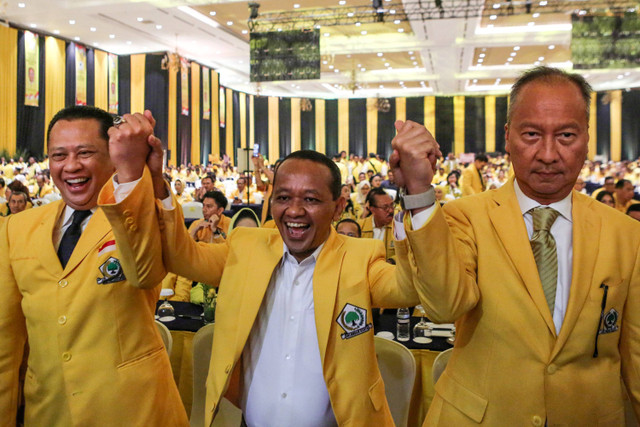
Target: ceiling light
x: 412, y: 58
x: 72, y: 21
x: 76, y: 38
x: 401, y: 30
x: 140, y: 19
x: 342, y: 2
x: 392, y: 11
x: 552, y: 46
x: 482, y: 55
x: 397, y: 22
x: 212, y: 13
x: 96, y: 44
x: 199, y: 16
x: 363, y: 69
x: 506, y: 64
x: 56, y: 31
x: 401, y: 83
x: 415, y: 63
x: 324, y: 62
x: 364, y: 33
x: 112, y: 36
x: 33, y: 25
x: 358, y: 24
x: 620, y: 76
x: 229, y: 23
x: 381, y: 86
x: 296, y: 6
x: 541, y: 58
x: 350, y: 14
x: 516, y: 48
x: 475, y: 80
x: 331, y: 67
x: 245, y: 31
x: 410, y: 52
x: 386, y: 64
x: 480, y: 60
x: 326, y: 34
x: 336, y: 71
x: 513, y: 54
x: 543, y: 3
x: 379, y: 53
x: 496, y: 5
x: 21, y: 5
x: 536, y: 63
x: 158, y: 27
x: 93, y: 29
x: 536, y: 15
x: 510, y: 59
x: 493, y: 17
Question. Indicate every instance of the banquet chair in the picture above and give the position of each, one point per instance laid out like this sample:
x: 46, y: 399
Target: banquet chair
x: 439, y: 364
x: 192, y: 210
x: 165, y: 334
x: 398, y: 368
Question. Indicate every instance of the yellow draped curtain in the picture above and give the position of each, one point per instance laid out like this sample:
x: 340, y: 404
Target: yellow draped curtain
x: 372, y: 125
x: 242, y: 99
x: 430, y: 114
x: 137, y: 82
x: 490, y: 123
x: 274, y: 131
x: 101, y: 79
x: 54, y: 78
x: 616, y: 125
x: 215, y: 113
x: 295, y: 124
x: 172, y: 128
x: 195, y: 113
x: 321, y: 137
x: 343, y: 125
x: 458, y: 124
x: 593, y: 126
x: 8, y: 92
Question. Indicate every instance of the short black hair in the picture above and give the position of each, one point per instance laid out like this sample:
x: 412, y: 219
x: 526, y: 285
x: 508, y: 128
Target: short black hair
x: 217, y: 197
x: 378, y: 191
x: 621, y: 183
x: 211, y: 176
x: 351, y: 221
x: 482, y: 157
x: 603, y: 193
x: 548, y: 75
x: 336, y: 178
x: 24, y: 195
x: 633, y: 208
x: 79, y: 112
x: 607, y: 178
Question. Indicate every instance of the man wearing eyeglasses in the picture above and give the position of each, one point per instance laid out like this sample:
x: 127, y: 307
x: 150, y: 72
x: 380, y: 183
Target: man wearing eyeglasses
x: 378, y: 225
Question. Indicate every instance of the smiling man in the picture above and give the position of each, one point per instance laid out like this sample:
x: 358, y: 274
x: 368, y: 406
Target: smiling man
x: 95, y: 355
x: 542, y: 281
x: 283, y: 352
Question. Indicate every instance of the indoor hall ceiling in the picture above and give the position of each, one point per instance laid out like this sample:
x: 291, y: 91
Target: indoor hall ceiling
x: 478, y: 54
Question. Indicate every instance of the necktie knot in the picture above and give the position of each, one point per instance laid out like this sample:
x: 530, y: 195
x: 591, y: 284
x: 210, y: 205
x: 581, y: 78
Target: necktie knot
x: 543, y: 218
x: 78, y: 216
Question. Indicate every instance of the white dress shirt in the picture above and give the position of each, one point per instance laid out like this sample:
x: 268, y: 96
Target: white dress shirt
x: 378, y: 232
x: 561, y: 230
x: 65, y: 222
x: 283, y: 382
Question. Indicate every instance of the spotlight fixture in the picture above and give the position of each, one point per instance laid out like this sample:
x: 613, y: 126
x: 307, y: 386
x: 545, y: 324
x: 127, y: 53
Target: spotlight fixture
x: 253, y: 7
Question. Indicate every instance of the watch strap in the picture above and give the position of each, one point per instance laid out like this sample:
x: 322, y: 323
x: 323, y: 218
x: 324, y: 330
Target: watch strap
x: 417, y: 201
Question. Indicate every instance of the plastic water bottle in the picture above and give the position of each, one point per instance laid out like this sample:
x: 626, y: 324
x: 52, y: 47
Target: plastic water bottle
x: 404, y: 324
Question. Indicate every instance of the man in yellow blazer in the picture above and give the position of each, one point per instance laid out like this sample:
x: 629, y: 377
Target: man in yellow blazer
x: 322, y: 350
x: 95, y: 356
x: 472, y: 181
x: 379, y: 225
x: 520, y: 357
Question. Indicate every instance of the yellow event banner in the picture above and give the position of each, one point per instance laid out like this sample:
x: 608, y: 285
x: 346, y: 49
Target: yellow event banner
x: 206, y: 94
x: 81, y: 75
x: 184, y: 85
x: 31, y: 69
x: 113, y: 83
x: 223, y: 108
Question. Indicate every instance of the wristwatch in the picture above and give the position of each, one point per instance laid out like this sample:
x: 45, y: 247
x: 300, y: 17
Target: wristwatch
x: 417, y: 201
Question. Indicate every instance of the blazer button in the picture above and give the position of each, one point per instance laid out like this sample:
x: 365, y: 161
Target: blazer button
x: 63, y: 283
x: 66, y: 356
x: 551, y: 369
x: 62, y: 320
x: 133, y: 228
x: 127, y: 212
x: 536, y: 421
x: 129, y: 221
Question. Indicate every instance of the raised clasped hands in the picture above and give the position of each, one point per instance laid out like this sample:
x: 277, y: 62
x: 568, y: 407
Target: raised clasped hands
x: 414, y: 156
x: 132, y: 145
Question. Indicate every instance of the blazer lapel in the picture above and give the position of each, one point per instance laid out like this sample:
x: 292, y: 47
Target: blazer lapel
x: 325, y: 288
x: 97, y: 228
x: 507, y: 220
x: 46, y: 251
x: 586, y: 233
x: 255, y: 286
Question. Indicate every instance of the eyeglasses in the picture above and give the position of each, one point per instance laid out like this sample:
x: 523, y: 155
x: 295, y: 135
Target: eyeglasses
x: 388, y: 207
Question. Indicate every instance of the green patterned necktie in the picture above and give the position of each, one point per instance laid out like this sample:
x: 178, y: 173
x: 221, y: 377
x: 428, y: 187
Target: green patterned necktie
x: 544, y: 251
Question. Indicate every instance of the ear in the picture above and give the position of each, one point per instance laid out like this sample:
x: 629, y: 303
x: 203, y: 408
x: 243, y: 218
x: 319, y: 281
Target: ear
x: 340, y: 204
x: 506, y: 138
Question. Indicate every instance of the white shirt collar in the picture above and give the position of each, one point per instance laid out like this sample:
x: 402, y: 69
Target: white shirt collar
x: 68, y: 211
x: 526, y: 204
x: 286, y: 253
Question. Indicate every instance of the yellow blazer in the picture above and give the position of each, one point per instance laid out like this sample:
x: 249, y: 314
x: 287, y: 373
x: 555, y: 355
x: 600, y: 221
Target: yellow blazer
x: 348, y: 270
x: 508, y: 366
x: 470, y: 182
x: 389, y: 243
x: 95, y: 354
